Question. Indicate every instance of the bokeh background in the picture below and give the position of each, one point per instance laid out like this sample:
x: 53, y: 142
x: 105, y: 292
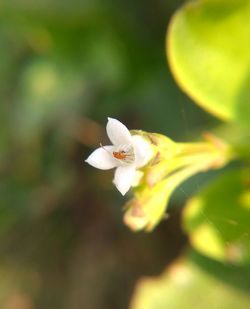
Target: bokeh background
x: 65, y: 66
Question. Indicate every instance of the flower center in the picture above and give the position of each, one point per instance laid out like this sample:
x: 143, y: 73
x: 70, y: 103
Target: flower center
x: 125, y: 154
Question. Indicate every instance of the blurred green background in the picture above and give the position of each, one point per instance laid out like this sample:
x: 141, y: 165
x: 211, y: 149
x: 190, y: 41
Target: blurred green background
x: 66, y: 66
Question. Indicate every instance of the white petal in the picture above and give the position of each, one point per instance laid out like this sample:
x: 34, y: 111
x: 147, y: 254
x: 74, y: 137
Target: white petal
x: 137, y: 178
x: 124, y: 176
x: 117, y: 132
x: 143, y: 151
x: 102, y: 158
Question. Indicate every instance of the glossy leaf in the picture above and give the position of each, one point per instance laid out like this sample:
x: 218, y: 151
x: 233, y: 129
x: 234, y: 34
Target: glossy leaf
x: 218, y: 219
x: 209, y: 54
x: 186, y: 284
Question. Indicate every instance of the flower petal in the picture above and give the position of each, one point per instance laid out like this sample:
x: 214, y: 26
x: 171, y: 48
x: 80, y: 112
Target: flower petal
x: 124, y: 177
x: 137, y: 178
x: 117, y: 132
x: 143, y: 151
x: 102, y: 158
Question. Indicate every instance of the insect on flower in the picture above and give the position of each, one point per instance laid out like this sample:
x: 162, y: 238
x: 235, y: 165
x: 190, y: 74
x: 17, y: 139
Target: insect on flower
x: 127, y: 154
x: 121, y: 155
x: 124, y: 153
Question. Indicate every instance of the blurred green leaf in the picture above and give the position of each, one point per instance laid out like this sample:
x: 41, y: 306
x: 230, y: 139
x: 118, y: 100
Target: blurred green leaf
x: 187, y: 285
x: 217, y: 220
x: 49, y: 92
x: 209, y: 54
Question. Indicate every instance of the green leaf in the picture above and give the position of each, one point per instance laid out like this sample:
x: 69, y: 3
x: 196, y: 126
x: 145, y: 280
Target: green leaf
x: 49, y: 93
x: 209, y: 54
x: 218, y: 219
x: 196, y: 282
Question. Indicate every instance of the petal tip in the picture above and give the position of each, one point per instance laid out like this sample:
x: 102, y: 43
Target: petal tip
x: 123, y: 192
x: 124, y: 177
x: 117, y: 132
x: 100, y: 158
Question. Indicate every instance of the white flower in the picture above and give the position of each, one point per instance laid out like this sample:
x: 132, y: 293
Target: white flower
x: 127, y: 154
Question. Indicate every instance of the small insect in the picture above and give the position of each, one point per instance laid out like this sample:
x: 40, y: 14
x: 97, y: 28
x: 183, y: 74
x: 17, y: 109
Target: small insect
x: 121, y: 155
x: 125, y: 155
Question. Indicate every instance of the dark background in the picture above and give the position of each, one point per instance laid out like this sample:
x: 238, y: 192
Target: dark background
x: 65, y: 66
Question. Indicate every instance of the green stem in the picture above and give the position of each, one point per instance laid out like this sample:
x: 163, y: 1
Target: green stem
x: 190, y: 160
x: 177, y: 178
